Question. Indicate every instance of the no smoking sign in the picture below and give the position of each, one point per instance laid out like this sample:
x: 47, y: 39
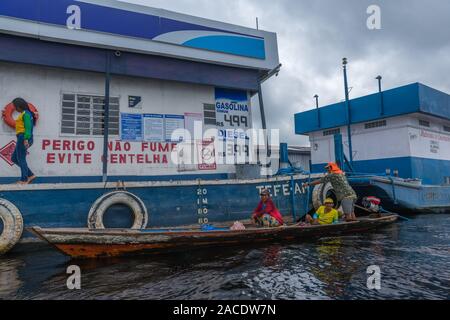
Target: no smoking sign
x: 206, y: 156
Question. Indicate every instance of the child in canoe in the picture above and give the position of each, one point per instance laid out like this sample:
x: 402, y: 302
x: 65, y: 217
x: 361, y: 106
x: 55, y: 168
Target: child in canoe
x: 326, y: 214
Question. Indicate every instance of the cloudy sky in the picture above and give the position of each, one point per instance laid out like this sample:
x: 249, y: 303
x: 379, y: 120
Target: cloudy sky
x: 313, y: 37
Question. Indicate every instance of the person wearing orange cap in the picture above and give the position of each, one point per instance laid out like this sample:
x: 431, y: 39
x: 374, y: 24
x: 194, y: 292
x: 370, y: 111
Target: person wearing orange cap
x: 344, y: 192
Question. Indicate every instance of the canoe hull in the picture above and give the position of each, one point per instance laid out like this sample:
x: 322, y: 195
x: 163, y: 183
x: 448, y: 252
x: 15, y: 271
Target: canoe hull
x: 83, y: 243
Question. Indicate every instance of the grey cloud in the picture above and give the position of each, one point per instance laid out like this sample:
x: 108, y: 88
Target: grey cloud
x: 412, y: 46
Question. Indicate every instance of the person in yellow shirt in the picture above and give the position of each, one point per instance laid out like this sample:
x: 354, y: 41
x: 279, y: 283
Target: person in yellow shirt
x: 24, y: 133
x: 326, y: 214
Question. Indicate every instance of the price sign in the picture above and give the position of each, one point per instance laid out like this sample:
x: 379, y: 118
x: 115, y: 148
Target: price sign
x: 232, y: 112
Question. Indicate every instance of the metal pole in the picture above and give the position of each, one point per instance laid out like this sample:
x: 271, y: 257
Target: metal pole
x: 294, y: 214
x: 379, y: 83
x: 261, y: 107
x: 263, y: 119
x: 106, y: 119
x: 261, y: 104
x: 381, y: 94
x: 318, y: 111
x: 349, y: 115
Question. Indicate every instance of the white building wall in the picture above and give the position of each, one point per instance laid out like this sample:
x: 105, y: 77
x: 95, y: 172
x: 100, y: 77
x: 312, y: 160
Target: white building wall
x: 322, y: 147
x: 390, y: 141
x: 432, y: 142
x: 380, y: 143
x: 44, y: 86
x: 300, y: 160
x: 401, y: 137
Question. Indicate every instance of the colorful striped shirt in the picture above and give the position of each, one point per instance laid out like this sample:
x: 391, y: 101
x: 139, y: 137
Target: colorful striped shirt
x: 24, y: 124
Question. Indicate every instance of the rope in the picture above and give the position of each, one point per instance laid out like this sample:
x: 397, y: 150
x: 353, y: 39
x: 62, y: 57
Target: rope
x: 393, y: 190
x: 291, y: 171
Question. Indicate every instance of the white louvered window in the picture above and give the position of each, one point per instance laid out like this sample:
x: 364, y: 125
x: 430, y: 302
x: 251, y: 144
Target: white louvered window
x: 85, y: 115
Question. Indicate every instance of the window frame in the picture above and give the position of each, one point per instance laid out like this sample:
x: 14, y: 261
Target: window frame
x: 424, y: 123
x: 207, y: 118
x: 447, y: 181
x: 331, y: 132
x: 375, y: 124
x: 92, y: 115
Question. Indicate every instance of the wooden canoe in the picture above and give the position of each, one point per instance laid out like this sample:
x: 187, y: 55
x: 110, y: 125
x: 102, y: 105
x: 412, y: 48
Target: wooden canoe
x: 85, y: 243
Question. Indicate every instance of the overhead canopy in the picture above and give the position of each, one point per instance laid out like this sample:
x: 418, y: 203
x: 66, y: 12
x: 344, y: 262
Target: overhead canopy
x: 122, y: 26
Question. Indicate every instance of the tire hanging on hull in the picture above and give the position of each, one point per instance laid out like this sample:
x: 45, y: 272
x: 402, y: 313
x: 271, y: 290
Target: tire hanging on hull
x: 12, y: 226
x: 321, y: 192
x: 102, y: 204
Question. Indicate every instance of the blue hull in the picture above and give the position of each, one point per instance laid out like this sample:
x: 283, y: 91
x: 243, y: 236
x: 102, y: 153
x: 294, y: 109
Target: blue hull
x: 168, y: 203
x: 404, y: 197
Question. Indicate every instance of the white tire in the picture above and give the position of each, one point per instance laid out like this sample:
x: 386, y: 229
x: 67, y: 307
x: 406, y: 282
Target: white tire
x: 99, y: 208
x: 12, y: 226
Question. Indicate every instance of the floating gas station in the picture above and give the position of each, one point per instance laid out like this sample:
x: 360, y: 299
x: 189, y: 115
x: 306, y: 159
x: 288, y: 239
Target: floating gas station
x: 118, y: 88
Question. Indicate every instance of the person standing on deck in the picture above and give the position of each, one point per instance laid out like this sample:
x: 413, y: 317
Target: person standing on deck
x: 24, y: 133
x: 344, y: 192
x: 267, y: 214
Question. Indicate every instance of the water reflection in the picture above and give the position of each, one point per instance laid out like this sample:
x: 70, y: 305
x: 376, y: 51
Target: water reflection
x: 335, y: 271
x: 272, y: 255
x: 10, y: 281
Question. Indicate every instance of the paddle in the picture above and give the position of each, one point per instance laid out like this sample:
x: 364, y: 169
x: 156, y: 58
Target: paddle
x: 401, y: 217
x: 383, y: 211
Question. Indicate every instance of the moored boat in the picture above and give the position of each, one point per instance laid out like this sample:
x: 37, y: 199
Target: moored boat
x: 394, y: 145
x: 404, y: 195
x: 86, y: 243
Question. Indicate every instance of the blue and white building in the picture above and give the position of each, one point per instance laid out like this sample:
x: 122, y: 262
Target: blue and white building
x: 404, y: 132
x: 165, y: 71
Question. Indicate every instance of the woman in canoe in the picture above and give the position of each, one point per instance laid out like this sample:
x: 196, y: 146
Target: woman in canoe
x: 267, y: 214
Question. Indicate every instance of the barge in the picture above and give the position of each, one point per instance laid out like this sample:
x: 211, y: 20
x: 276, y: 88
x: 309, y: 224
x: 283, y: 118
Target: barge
x: 123, y: 107
x: 394, y: 145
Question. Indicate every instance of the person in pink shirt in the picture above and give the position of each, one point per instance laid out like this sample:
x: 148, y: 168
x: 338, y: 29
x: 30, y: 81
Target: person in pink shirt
x: 267, y: 214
